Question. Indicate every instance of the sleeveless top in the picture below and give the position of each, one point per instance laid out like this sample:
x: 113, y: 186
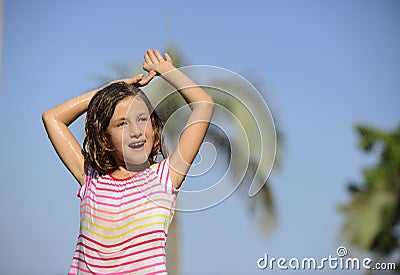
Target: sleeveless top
x: 124, y: 222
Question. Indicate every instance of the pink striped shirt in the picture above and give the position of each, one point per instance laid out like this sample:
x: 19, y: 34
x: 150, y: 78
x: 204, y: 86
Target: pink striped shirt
x: 124, y: 223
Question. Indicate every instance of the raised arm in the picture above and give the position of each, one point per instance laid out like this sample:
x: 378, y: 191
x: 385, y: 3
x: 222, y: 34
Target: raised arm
x: 57, y: 119
x: 56, y: 122
x: 201, y: 104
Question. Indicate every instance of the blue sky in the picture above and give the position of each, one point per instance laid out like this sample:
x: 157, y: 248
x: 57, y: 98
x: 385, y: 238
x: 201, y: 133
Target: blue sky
x: 323, y: 67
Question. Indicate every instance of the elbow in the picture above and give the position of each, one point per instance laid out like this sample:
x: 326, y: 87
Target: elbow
x: 47, y: 116
x: 203, y: 105
x: 209, y: 102
x: 212, y: 104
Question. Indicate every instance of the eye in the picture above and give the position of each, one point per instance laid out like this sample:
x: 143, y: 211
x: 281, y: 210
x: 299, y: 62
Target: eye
x: 122, y: 123
x: 143, y: 118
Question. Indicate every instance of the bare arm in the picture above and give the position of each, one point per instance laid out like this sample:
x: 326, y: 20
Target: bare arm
x: 202, y: 106
x: 57, y: 119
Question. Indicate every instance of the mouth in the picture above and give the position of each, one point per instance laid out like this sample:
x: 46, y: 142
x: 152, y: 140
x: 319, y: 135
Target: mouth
x: 137, y: 145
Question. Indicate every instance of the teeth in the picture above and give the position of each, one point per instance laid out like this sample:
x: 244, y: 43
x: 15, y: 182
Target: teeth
x: 136, y: 145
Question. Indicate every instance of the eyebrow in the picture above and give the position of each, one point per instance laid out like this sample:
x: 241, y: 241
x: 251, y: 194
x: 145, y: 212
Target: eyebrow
x: 121, y: 118
x: 125, y: 117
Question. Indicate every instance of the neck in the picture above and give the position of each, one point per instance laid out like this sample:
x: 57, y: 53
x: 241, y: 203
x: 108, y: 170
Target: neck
x: 136, y: 167
x: 128, y: 170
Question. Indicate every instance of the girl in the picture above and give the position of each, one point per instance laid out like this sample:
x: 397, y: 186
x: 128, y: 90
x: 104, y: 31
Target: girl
x: 127, y: 200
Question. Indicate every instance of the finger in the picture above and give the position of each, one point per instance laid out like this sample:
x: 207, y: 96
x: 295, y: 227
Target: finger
x: 147, y: 59
x: 167, y: 57
x: 148, y: 78
x: 158, y: 55
x: 137, y: 78
x: 152, y: 56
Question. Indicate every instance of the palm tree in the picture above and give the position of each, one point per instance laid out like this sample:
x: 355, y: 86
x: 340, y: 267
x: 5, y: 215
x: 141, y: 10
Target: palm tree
x: 373, y: 213
x: 249, y: 120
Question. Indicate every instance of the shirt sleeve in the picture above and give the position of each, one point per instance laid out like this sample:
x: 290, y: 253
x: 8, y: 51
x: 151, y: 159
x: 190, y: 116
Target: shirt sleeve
x: 82, y: 190
x: 162, y: 171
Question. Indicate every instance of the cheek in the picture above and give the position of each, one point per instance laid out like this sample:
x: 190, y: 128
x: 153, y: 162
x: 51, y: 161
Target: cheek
x: 149, y: 132
x: 116, y: 139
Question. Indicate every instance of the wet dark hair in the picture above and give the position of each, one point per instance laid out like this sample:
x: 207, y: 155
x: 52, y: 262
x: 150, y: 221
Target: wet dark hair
x: 96, y: 145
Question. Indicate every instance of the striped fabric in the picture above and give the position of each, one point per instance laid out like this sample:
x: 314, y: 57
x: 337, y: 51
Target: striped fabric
x: 124, y: 223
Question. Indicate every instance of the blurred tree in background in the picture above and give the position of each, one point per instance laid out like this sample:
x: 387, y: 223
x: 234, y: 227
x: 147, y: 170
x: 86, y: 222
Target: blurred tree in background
x: 372, y: 217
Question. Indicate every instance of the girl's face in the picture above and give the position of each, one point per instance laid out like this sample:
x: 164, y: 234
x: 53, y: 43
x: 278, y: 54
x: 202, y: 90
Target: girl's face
x: 131, y: 132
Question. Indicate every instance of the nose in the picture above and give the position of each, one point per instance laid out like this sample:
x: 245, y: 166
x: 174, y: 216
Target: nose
x: 135, y: 130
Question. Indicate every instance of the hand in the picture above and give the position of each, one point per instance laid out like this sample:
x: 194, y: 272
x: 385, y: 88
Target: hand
x: 138, y: 80
x: 155, y: 62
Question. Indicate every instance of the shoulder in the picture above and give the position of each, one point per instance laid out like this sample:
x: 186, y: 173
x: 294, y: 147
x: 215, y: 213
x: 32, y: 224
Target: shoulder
x: 90, y: 173
x: 162, y: 169
x: 88, y: 177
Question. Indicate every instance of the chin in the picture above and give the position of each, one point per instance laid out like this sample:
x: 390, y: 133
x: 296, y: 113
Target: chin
x: 136, y: 161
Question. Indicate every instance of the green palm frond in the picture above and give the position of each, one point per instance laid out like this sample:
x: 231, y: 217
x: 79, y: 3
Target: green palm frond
x: 372, y: 216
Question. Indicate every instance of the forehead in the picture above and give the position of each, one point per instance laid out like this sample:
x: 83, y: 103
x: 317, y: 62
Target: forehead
x: 130, y: 106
